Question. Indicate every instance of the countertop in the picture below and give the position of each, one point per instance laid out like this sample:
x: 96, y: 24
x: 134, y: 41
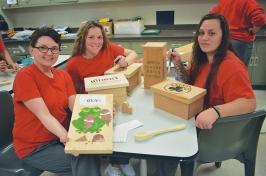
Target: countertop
x: 167, y: 32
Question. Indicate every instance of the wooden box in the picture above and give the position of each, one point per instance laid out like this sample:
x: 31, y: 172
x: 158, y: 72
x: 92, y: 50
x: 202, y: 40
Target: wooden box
x: 180, y: 99
x: 132, y: 73
x: 115, y: 84
x: 154, y: 61
x: 185, y: 52
x: 91, y: 126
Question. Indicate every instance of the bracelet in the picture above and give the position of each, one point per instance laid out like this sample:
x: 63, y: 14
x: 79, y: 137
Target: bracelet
x: 216, y: 109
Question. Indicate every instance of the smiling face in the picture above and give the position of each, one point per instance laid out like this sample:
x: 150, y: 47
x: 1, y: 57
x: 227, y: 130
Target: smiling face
x: 45, y: 59
x: 210, y: 36
x: 94, y: 41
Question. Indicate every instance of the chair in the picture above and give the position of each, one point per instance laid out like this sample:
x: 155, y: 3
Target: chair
x: 10, y: 164
x: 233, y: 137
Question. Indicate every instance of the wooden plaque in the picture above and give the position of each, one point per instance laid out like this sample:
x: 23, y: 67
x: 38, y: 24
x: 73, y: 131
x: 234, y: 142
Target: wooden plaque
x: 91, y: 126
x: 154, y: 60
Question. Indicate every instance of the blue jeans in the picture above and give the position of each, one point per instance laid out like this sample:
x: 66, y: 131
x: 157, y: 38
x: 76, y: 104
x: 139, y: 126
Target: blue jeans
x: 51, y: 157
x: 243, y: 50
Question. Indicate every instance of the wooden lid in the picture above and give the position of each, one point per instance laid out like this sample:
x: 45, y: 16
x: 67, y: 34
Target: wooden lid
x: 178, y: 91
x: 128, y: 71
x: 155, y: 44
x: 105, y: 82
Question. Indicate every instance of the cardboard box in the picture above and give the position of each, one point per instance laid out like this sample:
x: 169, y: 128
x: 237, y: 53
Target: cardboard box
x: 108, y: 27
x: 91, y: 126
x: 154, y: 63
x: 115, y: 84
x: 132, y: 73
x: 177, y: 98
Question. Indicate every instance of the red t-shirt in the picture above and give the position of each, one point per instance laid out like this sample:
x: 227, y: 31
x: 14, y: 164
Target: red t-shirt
x: 30, y: 83
x: 241, y: 15
x: 232, y: 81
x: 79, y: 67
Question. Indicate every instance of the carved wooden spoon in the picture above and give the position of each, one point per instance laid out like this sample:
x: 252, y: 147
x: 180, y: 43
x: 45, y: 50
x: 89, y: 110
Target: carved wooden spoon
x: 146, y: 135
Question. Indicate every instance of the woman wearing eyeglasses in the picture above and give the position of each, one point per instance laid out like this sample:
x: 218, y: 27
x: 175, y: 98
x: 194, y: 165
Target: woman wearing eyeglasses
x: 43, y: 96
x: 92, y: 55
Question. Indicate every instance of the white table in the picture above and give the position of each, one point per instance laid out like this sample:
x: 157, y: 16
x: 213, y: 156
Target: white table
x: 181, y: 145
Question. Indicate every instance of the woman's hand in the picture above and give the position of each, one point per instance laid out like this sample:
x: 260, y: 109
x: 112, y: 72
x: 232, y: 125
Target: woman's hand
x: 15, y: 66
x: 206, y: 118
x: 174, y: 56
x: 121, y: 61
x: 3, y: 66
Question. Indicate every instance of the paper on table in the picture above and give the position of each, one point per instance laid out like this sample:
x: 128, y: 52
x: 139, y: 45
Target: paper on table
x: 120, y: 131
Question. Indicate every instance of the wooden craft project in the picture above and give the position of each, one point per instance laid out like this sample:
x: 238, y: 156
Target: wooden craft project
x: 91, y: 126
x: 154, y: 61
x: 4, y: 82
x: 115, y: 84
x: 185, y: 52
x: 132, y: 73
x: 146, y: 135
x: 126, y: 108
x: 180, y: 99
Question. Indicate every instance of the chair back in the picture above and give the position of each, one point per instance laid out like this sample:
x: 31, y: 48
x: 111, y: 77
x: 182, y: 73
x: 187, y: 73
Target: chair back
x: 6, y: 119
x: 231, y: 137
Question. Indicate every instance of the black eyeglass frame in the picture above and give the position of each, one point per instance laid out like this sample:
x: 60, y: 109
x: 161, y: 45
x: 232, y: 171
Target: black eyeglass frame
x: 44, y: 49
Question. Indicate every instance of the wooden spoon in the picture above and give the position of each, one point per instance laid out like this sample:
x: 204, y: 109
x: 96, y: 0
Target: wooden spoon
x: 146, y: 135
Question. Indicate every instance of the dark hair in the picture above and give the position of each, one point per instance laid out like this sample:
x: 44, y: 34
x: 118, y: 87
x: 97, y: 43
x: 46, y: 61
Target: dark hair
x: 80, y: 42
x: 199, y: 57
x: 44, y: 31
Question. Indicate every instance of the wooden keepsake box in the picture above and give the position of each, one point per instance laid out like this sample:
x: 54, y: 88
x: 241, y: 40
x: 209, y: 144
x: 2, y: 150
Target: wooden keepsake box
x: 180, y: 99
x: 91, y: 126
x: 132, y: 73
x: 115, y: 84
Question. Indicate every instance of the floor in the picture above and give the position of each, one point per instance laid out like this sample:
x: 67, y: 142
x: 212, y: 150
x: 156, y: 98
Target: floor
x: 230, y: 167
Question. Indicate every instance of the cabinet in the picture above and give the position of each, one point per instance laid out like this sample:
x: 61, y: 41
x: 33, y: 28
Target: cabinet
x: 34, y: 3
x: 257, y: 65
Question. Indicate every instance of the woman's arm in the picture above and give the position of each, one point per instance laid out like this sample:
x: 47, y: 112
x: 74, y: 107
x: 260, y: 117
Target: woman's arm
x: 129, y: 58
x: 40, y: 110
x: 206, y: 118
x: 9, y: 60
x: 71, y: 101
x: 175, y: 57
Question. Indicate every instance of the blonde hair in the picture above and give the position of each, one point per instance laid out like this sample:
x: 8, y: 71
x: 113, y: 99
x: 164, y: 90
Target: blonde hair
x: 80, y: 42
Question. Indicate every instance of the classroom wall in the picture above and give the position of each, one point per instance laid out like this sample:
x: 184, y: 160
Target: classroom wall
x: 186, y: 12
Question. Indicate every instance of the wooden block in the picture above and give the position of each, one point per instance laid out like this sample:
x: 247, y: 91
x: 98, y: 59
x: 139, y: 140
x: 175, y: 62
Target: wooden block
x: 185, y: 52
x: 91, y: 126
x: 132, y: 73
x: 115, y: 84
x: 126, y: 108
x: 154, y: 60
x: 180, y: 99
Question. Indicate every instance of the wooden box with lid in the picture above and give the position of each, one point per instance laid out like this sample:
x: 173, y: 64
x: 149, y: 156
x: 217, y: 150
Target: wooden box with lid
x: 115, y: 84
x: 177, y: 98
x: 132, y: 73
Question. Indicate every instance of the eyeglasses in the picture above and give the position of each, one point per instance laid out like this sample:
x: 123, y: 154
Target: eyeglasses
x: 44, y: 49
